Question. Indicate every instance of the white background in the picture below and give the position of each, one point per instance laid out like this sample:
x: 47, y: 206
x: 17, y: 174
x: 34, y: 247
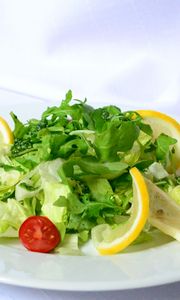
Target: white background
x: 123, y: 52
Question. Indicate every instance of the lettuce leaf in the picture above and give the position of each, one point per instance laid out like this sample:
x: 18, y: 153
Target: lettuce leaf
x: 72, y: 165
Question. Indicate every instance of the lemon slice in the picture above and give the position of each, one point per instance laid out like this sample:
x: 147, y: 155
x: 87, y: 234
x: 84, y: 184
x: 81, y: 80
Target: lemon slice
x: 162, y: 123
x: 6, y: 135
x: 164, y: 212
x: 108, y: 240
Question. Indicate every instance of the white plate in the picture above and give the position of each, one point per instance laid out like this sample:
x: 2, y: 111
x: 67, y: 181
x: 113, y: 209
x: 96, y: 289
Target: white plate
x: 137, y: 267
x: 143, y: 268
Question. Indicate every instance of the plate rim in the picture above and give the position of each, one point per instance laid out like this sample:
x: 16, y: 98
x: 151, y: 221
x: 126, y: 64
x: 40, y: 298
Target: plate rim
x: 85, y: 285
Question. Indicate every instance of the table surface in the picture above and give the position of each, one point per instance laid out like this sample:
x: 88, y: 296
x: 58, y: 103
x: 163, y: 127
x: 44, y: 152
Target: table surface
x: 166, y: 292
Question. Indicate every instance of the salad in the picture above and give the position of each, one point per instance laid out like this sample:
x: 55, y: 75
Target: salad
x: 81, y: 173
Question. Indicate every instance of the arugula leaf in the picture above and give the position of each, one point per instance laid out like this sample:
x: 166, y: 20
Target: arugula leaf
x: 19, y: 129
x: 71, y: 146
x: 146, y: 128
x: 163, y: 143
x: 67, y: 100
x: 115, y: 137
x: 105, y: 114
x: 91, y: 166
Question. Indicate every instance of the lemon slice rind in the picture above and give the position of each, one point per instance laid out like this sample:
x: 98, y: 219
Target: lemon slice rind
x: 6, y: 135
x: 110, y: 241
x: 162, y: 123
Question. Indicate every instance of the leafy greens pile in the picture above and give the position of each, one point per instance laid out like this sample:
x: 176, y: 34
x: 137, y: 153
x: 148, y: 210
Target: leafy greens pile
x: 73, y: 165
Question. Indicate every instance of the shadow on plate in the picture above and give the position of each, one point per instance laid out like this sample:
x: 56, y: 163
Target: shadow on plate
x: 157, y: 239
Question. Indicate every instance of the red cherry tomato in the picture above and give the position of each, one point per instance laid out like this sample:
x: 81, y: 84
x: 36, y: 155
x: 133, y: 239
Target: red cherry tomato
x: 39, y: 234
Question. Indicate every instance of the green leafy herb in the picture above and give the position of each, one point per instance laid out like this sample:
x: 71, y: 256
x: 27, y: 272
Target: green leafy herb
x: 163, y: 143
x: 72, y: 165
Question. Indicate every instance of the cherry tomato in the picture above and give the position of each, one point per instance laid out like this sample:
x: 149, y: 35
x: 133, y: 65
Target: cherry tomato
x: 39, y: 234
